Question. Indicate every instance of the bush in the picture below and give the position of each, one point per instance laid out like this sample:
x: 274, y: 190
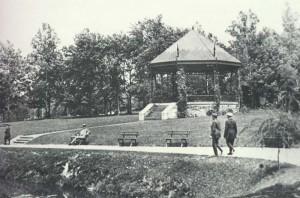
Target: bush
x: 209, y: 112
x: 244, y: 109
x: 181, y: 108
x: 279, y: 132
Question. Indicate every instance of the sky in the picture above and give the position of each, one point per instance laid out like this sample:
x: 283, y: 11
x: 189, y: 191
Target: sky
x: 21, y: 19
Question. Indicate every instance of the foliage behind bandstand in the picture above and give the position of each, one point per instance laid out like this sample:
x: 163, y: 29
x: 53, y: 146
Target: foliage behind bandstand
x: 100, y: 74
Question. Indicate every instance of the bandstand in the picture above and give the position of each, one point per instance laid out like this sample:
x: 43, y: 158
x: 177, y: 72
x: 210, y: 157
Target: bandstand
x: 198, y: 70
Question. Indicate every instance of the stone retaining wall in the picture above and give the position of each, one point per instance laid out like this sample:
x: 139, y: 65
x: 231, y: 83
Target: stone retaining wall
x: 196, y: 109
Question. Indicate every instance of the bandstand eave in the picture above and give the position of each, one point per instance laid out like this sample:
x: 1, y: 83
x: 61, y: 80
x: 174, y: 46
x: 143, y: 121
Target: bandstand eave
x: 195, y: 66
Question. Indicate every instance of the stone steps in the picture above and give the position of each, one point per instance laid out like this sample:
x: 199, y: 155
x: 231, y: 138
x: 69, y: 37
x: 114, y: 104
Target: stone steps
x: 155, y: 112
x: 22, y: 139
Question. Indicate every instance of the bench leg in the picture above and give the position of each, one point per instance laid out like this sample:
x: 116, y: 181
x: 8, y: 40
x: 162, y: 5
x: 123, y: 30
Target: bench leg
x: 183, y: 143
x: 168, y: 142
x: 133, y: 142
x: 121, y: 142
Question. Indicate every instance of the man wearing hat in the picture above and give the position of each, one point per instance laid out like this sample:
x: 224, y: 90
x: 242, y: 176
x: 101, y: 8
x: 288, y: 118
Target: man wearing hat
x: 215, y: 133
x: 230, y: 132
x: 84, y: 131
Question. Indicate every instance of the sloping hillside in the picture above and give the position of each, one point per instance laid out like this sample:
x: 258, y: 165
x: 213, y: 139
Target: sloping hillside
x: 122, y: 174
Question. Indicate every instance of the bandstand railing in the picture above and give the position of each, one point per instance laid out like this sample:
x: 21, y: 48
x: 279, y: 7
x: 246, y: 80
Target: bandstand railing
x: 229, y: 98
x: 195, y: 98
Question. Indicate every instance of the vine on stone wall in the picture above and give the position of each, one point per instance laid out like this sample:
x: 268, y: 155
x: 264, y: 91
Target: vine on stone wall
x: 181, y: 89
x: 217, y: 92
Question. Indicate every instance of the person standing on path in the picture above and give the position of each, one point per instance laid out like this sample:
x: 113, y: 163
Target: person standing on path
x: 230, y: 132
x: 215, y: 133
x: 7, y: 135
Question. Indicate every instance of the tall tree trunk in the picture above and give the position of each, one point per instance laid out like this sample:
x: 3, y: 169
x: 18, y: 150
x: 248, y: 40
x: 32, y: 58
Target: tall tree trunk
x: 48, y: 107
x: 118, y: 103
x: 129, y: 105
x: 109, y: 107
x: 8, y: 108
x: 105, y: 106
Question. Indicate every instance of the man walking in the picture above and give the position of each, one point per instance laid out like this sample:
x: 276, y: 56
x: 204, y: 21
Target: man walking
x: 7, y: 135
x: 230, y: 132
x: 215, y: 133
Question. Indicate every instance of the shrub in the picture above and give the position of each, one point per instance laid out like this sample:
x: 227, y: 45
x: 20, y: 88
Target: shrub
x: 209, y: 112
x: 279, y: 132
x: 182, y: 107
x: 244, y: 109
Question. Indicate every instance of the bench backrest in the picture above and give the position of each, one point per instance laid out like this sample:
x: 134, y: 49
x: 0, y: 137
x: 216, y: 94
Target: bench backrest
x: 178, y: 133
x: 128, y: 134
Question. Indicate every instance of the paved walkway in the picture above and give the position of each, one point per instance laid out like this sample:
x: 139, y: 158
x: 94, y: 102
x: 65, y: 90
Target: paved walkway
x: 291, y: 155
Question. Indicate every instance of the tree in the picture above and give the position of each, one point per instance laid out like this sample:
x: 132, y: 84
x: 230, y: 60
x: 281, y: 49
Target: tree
x: 15, y: 77
x: 244, y: 30
x: 290, y: 64
x: 150, y: 38
x: 86, y: 73
x: 48, y: 59
x: 244, y: 46
x: 267, y: 57
x: 118, y: 61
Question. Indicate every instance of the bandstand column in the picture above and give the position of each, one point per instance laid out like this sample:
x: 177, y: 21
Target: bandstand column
x: 174, y: 86
x: 206, y: 84
x: 181, y: 83
x: 217, y: 94
x: 231, y: 84
x: 153, y: 85
x: 181, y: 89
x: 239, y: 94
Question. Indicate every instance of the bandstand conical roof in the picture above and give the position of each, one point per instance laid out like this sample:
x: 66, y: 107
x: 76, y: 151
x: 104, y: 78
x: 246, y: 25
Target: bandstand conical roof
x: 196, y: 50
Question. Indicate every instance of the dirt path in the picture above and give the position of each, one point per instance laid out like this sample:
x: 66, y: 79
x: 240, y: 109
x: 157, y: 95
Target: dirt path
x: 291, y: 155
x: 33, y: 136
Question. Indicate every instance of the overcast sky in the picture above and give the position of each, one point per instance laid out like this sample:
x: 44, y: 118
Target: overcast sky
x: 21, y: 19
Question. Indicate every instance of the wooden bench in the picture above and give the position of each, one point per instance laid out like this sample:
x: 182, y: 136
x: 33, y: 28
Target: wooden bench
x: 129, y: 138
x: 278, y: 142
x: 79, y: 139
x: 181, y: 137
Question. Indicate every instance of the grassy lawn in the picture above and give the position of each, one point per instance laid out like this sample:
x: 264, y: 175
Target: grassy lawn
x: 123, y: 174
x: 48, y: 125
x: 152, y: 132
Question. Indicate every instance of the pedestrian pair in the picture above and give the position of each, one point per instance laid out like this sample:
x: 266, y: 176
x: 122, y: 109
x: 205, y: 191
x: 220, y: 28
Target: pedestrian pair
x: 230, y: 133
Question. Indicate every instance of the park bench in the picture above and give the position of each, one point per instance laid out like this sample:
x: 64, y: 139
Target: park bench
x: 128, y: 138
x: 176, y: 137
x: 278, y: 142
x: 79, y: 140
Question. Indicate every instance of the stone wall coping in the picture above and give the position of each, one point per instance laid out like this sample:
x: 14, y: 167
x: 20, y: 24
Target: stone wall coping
x: 211, y: 102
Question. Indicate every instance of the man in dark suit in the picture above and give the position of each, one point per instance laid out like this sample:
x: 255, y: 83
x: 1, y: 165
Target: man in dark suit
x: 230, y: 132
x: 7, y: 135
x: 215, y: 133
